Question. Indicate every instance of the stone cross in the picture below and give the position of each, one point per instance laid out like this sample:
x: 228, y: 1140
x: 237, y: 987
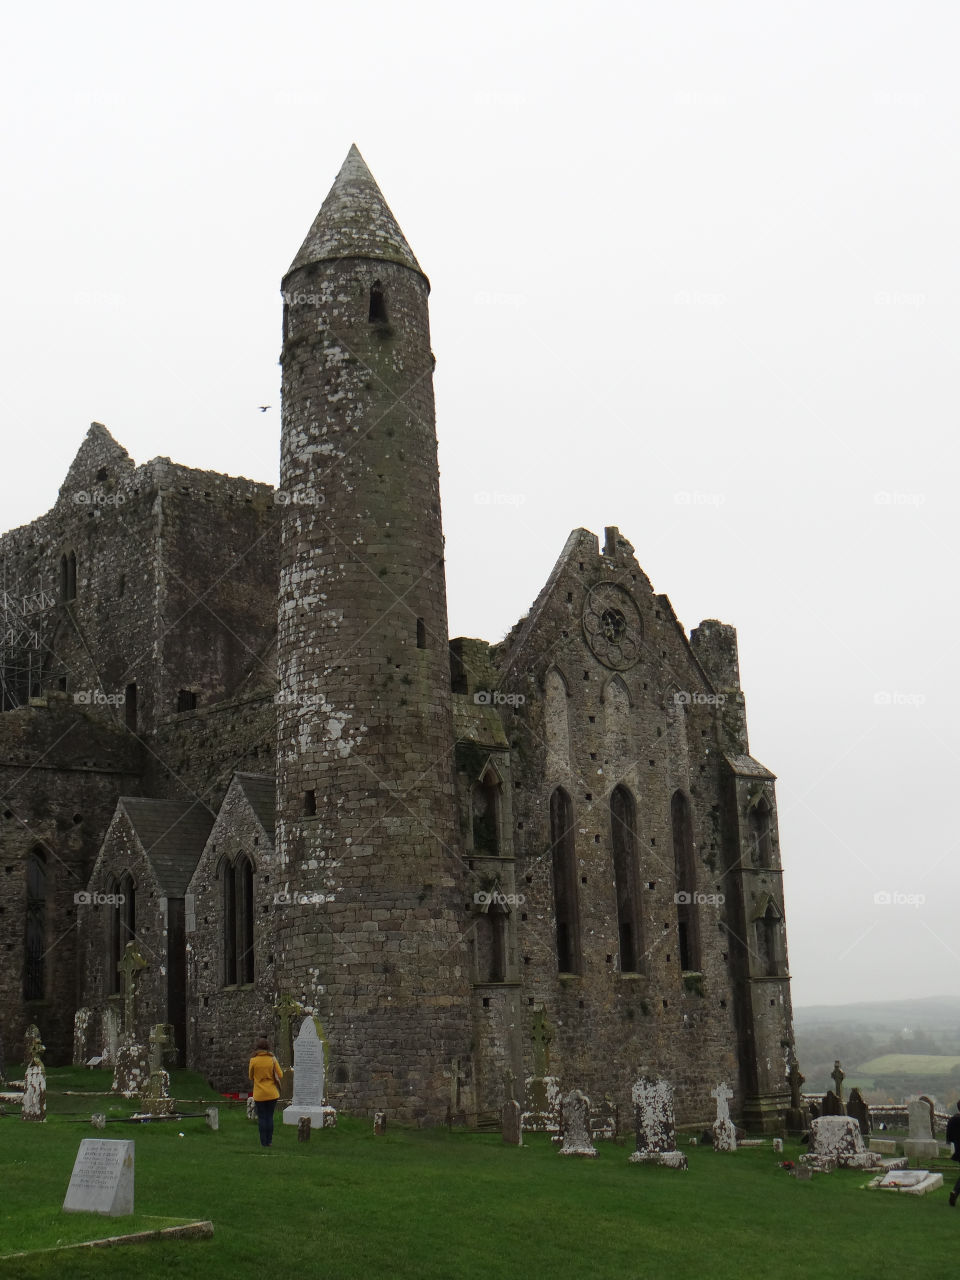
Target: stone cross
x: 837, y: 1076
x: 796, y: 1081
x: 541, y: 1035
x: 508, y: 1080
x: 160, y: 1041
x: 131, y: 963
x: 723, y: 1093
x: 33, y: 1047
x: 286, y: 1010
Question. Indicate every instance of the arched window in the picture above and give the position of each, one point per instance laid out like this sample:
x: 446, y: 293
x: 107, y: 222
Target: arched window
x: 238, y: 967
x: 686, y: 881
x: 123, y: 928
x: 485, y: 801
x: 623, y: 823
x: 35, y: 949
x: 378, y: 305
x: 72, y: 576
x: 565, y: 901
x: 556, y: 724
x: 769, y: 938
x: 761, y: 837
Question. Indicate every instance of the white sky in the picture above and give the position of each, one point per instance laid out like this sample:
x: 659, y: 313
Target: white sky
x: 694, y: 274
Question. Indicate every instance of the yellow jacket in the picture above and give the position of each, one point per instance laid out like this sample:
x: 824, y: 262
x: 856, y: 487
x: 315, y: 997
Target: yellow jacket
x: 264, y: 1071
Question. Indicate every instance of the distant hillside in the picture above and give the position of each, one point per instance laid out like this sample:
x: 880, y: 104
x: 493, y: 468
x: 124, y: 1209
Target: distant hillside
x: 892, y: 1046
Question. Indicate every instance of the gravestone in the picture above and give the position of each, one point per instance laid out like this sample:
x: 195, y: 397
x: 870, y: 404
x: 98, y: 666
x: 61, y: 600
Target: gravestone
x: 303, y: 1129
x: 541, y: 1090
x: 656, y: 1126
x: 857, y: 1107
x: 778, y: 1146
x: 34, y: 1105
x: 98, y: 1120
x: 832, y: 1105
x: 913, y: 1182
x: 110, y: 1036
x: 251, y: 1109
x: 308, y: 1080
x: 379, y: 1122
x: 836, y: 1142
x: 798, y: 1116
x: 724, y: 1130
x: 921, y: 1144
x: 131, y: 1066
x: 102, y: 1179
x: 213, y: 1118
x: 33, y: 1046
x: 286, y: 1010
x: 510, y: 1124
x: 156, y: 1095
x: 837, y: 1076
x: 576, y: 1125
x: 82, y: 1020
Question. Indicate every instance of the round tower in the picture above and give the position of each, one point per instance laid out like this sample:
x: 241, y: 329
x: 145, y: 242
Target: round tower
x: 370, y: 899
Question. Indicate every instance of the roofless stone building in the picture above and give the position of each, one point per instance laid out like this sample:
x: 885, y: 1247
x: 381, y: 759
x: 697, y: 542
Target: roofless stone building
x: 463, y: 857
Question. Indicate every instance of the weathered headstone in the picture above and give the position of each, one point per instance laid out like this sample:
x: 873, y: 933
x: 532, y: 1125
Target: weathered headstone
x: 656, y: 1126
x: 286, y: 1010
x: 576, y: 1125
x: 379, y: 1122
x: 213, y: 1118
x: 308, y: 1080
x: 251, y: 1109
x: 836, y: 1142
x: 110, y: 1036
x: 778, y: 1145
x: 82, y: 1021
x: 798, y: 1116
x: 102, y: 1178
x: 913, y: 1182
x: 131, y: 1066
x: 98, y: 1120
x: 33, y: 1046
x: 303, y: 1129
x: 832, y: 1105
x: 156, y: 1094
x: 724, y: 1130
x: 857, y: 1107
x: 541, y: 1090
x: 510, y: 1124
x: 34, y: 1106
x: 129, y: 965
x: 921, y: 1144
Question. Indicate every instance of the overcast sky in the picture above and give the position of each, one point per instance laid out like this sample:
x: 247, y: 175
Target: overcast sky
x: 694, y: 273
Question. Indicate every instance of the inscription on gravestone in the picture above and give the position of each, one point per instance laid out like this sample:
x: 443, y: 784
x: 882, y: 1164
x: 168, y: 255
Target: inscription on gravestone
x: 102, y: 1178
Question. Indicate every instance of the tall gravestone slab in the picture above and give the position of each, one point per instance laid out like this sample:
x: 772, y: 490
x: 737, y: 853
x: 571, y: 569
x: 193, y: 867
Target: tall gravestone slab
x: 921, y: 1144
x: 576, y: 1125
x: 656, y: 1126
x: 836, y: 1142
x: 102, y: 1178
x: 857, y: 1107
x: 510, y: 1125
x: 308, y: 1080
x: 724, y: 1130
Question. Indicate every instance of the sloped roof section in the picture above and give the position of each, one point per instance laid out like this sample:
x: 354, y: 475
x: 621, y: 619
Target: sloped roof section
x: 747, y: 767
x: 355, y: 222
x: 261, y: 792
x: 172, y: 834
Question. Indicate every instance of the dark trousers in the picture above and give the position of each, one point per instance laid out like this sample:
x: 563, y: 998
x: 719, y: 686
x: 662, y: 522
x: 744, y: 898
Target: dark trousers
x: 265, y: 1120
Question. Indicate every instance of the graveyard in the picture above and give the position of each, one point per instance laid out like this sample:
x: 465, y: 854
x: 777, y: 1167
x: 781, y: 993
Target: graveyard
x: 442, y: 1202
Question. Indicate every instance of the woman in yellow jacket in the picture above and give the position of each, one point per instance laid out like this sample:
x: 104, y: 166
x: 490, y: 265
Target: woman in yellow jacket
x: 266, y: 1075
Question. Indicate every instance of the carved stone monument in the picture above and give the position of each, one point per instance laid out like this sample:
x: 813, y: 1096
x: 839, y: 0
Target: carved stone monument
x: 724, y: 1130
x: 542, y: 1090
x: 102, y: 1178
x: 34, y: 1106
x: 576, y: 1125
x: 309, y: 1075
x: 656, y: 1125
x: 921, y: 1144
x: 836, y: 1142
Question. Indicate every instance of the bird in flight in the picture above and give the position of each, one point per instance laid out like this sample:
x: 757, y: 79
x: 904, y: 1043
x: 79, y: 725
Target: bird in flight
x: 263, y: 407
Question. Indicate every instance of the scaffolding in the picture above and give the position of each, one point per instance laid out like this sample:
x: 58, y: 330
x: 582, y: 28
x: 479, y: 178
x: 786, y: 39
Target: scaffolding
x: 21, y: 643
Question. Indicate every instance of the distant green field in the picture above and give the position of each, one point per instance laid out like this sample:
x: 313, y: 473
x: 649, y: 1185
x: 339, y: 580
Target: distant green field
x: 909, y: 1064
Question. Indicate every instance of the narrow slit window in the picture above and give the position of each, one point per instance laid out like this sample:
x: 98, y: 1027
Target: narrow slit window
x: 378, y: 306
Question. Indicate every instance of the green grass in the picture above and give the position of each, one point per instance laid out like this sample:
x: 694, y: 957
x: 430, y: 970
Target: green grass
x: 914, y: 1064
x: 433, y: 1205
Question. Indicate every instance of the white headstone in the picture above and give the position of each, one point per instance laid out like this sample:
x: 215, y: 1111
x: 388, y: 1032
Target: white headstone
x: 656, y: 1126
x: 921, y: 1144
x: 102, y: 1178
x: 576, y: 1125
x: 724, y: 1130
x: 308, y: 1079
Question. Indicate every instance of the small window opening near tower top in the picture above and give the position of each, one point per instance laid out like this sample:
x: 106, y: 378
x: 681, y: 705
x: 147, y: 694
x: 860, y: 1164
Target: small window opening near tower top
x: 310, y: 804
x: 378, y: 306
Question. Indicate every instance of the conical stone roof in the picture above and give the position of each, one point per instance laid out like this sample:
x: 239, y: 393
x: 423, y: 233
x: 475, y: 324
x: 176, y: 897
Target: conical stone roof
x: 355, y: 222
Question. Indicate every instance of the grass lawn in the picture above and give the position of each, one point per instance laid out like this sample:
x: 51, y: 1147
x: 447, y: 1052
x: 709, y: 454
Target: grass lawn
x: 917, y: 1064
x: 433, y: 1205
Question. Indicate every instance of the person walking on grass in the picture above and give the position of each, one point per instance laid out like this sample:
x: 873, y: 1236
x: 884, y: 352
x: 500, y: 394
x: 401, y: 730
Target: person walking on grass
x: 953, y: 1135
x: 266, y: 1075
